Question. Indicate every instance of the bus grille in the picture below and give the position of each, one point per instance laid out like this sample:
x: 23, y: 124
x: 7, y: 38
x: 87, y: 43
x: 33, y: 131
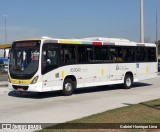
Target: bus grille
x: 20, y: 87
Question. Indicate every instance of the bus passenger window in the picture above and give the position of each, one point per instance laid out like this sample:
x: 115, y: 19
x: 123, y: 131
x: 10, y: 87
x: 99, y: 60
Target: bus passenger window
x: 81, y: 54
x: 132, y: 54
x: 138, y: 55
x: 97, y: 54
x: 126, y: 54
x: 72, y: 55
x: 49, y: 58
x: 89, y: 53
x: 68, y: 54
x: 119, y: 54
x: 105, y: 56
x: 112, y: 54
x: 144, y: 54
x: 151, y: 54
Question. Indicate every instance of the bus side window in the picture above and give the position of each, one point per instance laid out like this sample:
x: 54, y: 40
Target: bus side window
x: 132, y: 54
x: 72, y: 54
x: 97, y: 54
x: 68, y: 54
x: 112, y: 54
x: 49, y: 58
x: 119, y: 54
x: 64, y: 54
x: 105, y: 56
x: 81, y: 54
x: 144, y: 54
x: 152, y: 54
x: 138, y: 54
x: 126, y: 54
x: 89, y: 53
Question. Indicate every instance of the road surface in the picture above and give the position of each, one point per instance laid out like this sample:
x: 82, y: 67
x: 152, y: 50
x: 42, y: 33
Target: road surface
x: 18, y: 107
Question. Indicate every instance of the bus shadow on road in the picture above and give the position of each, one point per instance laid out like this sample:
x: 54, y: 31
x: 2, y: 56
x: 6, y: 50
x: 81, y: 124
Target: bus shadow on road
x: 31, y: 95
x: 77, y: 91
x: 140, y: 84
x: 109, y: 88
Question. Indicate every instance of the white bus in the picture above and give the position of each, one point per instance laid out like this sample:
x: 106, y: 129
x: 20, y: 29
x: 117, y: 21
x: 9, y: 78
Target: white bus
x: 48, y: 64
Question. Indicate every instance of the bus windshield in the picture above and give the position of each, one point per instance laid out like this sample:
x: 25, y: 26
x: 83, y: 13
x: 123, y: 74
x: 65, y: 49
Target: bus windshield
x: 24, y: 59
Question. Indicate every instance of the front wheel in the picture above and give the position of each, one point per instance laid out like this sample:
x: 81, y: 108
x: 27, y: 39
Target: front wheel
x: 128, y: 81
x: 68, y: 87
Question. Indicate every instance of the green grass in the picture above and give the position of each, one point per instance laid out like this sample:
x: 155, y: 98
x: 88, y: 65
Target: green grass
x: 147, y: 112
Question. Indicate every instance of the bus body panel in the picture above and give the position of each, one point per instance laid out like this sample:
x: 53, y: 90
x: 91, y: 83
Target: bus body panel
x: 89, y: 74
x: 97, y: 74
x: 31, y: 87
x: 146, y: 70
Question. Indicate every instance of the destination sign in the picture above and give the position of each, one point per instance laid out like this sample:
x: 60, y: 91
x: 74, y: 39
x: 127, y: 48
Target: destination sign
x: 26, y: 44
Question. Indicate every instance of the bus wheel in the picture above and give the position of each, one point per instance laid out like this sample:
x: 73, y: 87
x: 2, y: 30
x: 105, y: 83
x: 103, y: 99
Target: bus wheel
x: 128, y: 81
x: 68, y: 87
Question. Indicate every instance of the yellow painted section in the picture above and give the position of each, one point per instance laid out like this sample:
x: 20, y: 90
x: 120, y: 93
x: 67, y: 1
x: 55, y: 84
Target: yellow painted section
x: 62, y: 74
x: 102, y: 72
x: 147, y: 69
x: 18, y: 81
x: 5, y: 46
x: 70, y: 42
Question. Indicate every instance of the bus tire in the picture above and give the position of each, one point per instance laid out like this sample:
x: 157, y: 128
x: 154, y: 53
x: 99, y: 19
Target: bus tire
x: 68, y: 87
x: 128, y: 81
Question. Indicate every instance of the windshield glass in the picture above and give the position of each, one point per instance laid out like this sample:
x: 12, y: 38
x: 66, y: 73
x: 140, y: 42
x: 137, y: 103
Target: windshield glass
x: 24, y: 59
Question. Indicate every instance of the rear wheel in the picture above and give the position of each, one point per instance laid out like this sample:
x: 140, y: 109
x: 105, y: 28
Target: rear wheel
x: 128, y: 81
x: 68, y: 87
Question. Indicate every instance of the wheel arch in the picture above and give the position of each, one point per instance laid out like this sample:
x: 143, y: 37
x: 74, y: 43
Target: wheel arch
x: 131, y: 74
x: 73, y: 78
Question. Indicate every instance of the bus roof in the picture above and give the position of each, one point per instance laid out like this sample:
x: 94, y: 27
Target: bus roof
x: 5, y: 46
x: 93, y: 41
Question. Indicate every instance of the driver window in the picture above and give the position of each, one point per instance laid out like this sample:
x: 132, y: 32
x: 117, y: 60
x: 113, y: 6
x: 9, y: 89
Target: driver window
x: 49, y: 58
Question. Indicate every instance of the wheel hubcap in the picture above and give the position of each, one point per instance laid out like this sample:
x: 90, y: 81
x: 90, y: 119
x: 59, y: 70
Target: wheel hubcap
x: 128, y: 82
x: 68, y: 86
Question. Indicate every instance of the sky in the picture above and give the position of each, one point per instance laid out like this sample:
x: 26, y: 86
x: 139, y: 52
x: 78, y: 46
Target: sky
x: 77, y: 19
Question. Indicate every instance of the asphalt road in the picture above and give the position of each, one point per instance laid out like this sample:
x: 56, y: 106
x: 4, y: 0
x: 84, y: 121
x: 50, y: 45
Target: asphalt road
x: 18, y: 107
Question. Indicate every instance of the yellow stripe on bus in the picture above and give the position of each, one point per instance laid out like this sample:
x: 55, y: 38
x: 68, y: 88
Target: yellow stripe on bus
x: 147, y: 69
x: 62, y: 74
x: 102, y: 72
x: 17, y: 81
x: 70, y: 42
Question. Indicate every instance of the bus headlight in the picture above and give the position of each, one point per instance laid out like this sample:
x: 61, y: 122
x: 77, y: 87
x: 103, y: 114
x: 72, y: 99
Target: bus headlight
x: 34, y: 80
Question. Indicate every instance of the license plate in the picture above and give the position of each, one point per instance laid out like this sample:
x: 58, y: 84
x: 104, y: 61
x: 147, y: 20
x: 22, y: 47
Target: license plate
x: 20, y: 89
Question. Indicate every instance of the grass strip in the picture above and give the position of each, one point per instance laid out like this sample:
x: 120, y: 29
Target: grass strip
x: 146, y: 112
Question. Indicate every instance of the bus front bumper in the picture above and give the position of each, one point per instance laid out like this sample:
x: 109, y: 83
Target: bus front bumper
x: 37, y: 87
